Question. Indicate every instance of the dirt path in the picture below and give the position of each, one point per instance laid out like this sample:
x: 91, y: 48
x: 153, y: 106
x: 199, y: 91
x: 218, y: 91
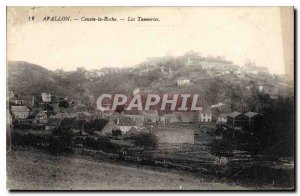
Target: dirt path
x: 35, y: 170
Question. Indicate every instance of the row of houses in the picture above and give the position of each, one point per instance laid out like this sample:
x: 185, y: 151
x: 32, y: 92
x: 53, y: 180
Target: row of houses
x: 241, y: 121
x: 165, y: 134
x: 153, y: 117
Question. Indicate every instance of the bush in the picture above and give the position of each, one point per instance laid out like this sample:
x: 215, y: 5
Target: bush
x: 145, y: 140
x: 61, y: 141
x: 221, y: 148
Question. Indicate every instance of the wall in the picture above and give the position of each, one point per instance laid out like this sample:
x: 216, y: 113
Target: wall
x: 175, y: 136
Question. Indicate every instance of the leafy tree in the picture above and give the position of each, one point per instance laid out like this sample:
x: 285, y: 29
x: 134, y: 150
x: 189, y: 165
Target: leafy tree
x: 60, y: 141
x: 116, y: 132
x: 48, y: 107
x: 275, y: 135
x: 221, y: 148
x: 145, y: 140
x: 63, y: 104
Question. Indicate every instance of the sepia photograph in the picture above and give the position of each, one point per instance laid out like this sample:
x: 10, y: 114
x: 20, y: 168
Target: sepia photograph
x: 150, y: 98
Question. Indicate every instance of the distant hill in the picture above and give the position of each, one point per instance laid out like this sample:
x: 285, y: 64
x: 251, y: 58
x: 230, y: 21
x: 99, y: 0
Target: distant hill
x: 238, y: 93
x: 29, y: 79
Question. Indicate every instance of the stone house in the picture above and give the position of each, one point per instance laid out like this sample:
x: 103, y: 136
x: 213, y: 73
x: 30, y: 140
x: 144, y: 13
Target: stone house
x: 20, y: 112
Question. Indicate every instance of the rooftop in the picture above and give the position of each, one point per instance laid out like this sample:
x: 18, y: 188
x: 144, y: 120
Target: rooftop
x: 124, y: 121
x: 234, y: 114
x: 251, y: 114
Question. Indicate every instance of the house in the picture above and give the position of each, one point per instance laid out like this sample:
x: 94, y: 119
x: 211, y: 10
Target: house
x: 137, y: 119
x: 183, y: 82
x: 27, y: 100
x: 124, y: 123
x: 205, y: 116
x: 109, y: 128
x: 46, y: 97
x: 222, y: 118
x: 252, y: 68
x: 236, y: 120
x: 132, y: 131
x: 136, y: 91
x: 252, y: 118
x: 20, y: 112
x: 136, y: 116
x: 41, y: 117
x: 16, y: 101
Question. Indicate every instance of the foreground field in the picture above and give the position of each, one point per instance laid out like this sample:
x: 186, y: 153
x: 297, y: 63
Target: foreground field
x: 35, y: 170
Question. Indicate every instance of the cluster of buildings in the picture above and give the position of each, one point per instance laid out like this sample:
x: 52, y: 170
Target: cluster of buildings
x: 48, y: 112
x: 241, y: 121
x: 237, y: 123
x: 238, y: 120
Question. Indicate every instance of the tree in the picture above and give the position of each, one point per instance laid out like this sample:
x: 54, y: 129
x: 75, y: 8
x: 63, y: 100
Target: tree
x: 145, y: 140
x: 48, y: 107
x: 60, y: 141
x: 116, y: 132
x: 63, y: 104
x: 275, y: 135
x: 222, y: 148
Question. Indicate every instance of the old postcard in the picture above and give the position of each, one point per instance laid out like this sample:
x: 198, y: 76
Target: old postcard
x: 150, y: 98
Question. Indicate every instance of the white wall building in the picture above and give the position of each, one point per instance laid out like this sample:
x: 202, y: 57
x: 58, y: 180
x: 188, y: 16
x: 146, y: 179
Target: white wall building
x: 46, y: 97
x: 21, y: 112
x: 205, y: 117
x: 183, y: 82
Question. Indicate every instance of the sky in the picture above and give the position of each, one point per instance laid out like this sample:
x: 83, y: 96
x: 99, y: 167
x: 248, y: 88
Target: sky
x: 238, y: 34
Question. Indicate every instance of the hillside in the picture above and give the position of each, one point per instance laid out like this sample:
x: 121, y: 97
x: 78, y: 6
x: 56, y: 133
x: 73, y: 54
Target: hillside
x: 238, y: 93
x: 29, y: 79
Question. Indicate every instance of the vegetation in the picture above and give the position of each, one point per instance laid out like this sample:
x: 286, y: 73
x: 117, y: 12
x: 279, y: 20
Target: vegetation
x: 145, y: 140
x: 222, y: 148
x: 275, y: 135
x: 60, y: 141
x: 272, y: 135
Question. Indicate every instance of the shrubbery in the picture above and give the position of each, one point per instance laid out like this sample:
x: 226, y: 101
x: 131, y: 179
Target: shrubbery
x: 145, y: 140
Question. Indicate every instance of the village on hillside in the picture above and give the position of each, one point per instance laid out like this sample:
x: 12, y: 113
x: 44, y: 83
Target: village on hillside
x: 225, y: 139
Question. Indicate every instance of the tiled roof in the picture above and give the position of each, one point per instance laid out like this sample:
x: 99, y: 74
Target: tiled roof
x: 124, y: 121
x: 19, y: 108
x: 223, y: 115
x: 234, y: 114
x: 251, y: 114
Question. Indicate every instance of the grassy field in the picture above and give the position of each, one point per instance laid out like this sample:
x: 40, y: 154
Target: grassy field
x: 36, y: 170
